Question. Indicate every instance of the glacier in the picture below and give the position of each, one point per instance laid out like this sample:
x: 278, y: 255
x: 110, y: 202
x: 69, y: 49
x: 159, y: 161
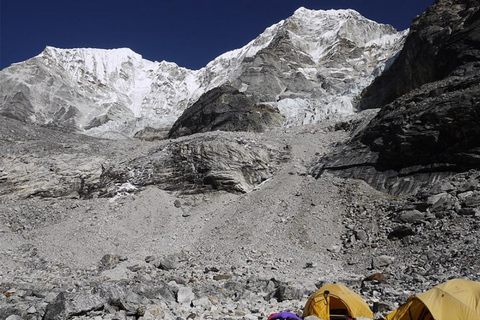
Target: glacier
x: 311, y: 66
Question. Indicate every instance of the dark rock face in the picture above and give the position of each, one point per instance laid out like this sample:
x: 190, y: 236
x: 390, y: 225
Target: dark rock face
x: 444, y: 41
x: 437, y: 125
x: 225, y: 109
x: 430, y: 127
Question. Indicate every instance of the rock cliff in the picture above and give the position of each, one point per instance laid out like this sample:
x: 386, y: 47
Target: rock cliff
x: 429, y: 123
x: 443, y: 42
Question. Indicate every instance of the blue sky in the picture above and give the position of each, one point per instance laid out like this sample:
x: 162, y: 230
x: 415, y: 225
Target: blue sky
x: 188, y: 32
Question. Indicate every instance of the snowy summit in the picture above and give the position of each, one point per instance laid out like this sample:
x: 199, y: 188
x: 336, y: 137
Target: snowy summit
x: 310, y: 66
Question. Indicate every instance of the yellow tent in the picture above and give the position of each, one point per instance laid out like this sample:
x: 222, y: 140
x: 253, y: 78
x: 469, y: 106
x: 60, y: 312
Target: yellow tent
x: 335, y: 301
x: 457, y: 299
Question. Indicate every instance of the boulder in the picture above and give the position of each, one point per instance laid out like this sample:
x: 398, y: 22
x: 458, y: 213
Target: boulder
x: 166, y: 264
x: 154, y: 312
x: 185, y: 295
x: 361, y: 235
x: 473, y: 201
x: 441, y: 201
x: 382, y: 261
x: 67, y: 305
x: 411, y: 216
x: 287, y: 293
x: 401, y: 232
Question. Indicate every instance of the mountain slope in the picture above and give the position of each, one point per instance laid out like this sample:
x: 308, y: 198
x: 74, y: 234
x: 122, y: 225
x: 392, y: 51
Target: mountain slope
x: 311, y: 66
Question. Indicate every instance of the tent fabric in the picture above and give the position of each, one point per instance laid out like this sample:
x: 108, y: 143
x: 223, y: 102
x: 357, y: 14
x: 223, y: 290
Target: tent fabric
x: 284, y: 315
x: 457, y: 299
x: 339, y: 297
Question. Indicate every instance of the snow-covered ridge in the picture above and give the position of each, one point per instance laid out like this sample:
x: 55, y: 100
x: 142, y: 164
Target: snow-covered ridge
x: 100, y: 90
x: 125, y: 72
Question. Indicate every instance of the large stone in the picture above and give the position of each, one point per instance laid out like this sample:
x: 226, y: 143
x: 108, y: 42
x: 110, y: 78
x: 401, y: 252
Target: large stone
x: 382, y: 261
x: 472, y: 201
x: 67, y: 305
x: 441, y: 201
x: 401, y: 232
x: 287, y: 292
x: 361, y: 235
x: 185, y: 295
x: 166, y: 264
x: 155, y: 312
x: 411, y: 216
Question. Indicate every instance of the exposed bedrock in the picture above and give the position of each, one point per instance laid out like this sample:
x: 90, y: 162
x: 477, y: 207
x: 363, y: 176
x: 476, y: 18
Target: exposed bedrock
x: 225, y: 109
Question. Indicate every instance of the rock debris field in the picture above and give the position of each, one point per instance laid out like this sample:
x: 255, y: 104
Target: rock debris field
x: 136, y: 251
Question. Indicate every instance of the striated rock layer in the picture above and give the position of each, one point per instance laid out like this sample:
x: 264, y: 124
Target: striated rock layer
x: 41, y: 162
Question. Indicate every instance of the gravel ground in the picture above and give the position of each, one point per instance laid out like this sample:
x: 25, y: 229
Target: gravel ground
x: 214, y: 255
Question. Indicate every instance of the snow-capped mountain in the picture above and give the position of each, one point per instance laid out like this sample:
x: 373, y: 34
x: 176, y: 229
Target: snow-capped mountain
x: 310, y: 66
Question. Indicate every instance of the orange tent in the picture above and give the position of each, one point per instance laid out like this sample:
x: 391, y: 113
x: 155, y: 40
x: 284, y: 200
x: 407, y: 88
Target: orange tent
x: 335, y: 301
x: 457, y: 299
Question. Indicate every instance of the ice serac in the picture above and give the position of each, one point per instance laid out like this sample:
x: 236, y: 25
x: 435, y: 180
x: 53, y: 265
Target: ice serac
x: 310, y: 66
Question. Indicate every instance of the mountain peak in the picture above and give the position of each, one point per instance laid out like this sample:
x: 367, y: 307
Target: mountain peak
x: 96, y: 53
x: 340, y: 13
x: 115, y: 51
x: 310, y: 66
